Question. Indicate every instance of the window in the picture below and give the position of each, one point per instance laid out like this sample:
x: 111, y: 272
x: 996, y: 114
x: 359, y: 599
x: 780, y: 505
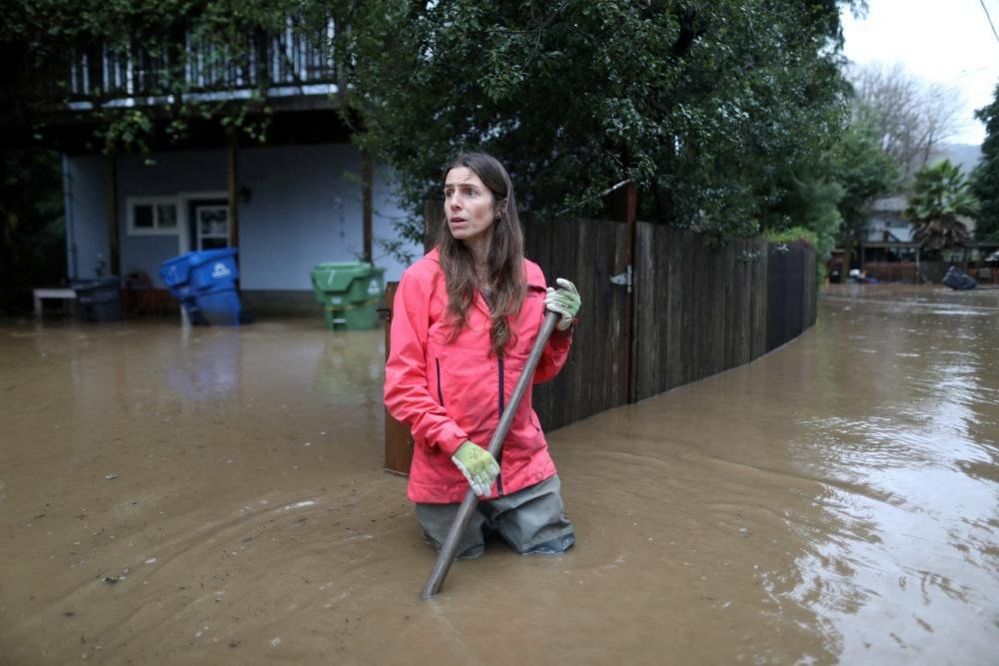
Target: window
x: 152, y: 216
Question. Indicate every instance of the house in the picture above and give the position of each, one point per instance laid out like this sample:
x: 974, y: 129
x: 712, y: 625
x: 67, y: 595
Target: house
x: 304, y: 197
x: 887, y: 236
x: 887, y: 250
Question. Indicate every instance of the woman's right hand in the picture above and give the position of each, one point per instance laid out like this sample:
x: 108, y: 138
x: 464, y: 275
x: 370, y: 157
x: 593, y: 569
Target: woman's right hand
x: 565, y: 301
x: 478, y: 466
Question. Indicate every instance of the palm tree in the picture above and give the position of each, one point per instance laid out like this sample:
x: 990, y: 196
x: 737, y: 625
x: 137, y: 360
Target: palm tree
x: 940, y: 195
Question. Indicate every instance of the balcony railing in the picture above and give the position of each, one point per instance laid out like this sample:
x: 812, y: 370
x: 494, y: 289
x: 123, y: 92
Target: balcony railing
x: 292, y: 62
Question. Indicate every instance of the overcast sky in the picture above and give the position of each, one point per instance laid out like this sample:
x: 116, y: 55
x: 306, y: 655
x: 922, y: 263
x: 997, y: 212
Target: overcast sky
x: 943, y: 41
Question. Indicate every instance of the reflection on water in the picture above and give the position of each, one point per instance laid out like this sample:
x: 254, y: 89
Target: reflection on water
x: 206, y: 365
x: 918, y: 562
x: 217, y: 495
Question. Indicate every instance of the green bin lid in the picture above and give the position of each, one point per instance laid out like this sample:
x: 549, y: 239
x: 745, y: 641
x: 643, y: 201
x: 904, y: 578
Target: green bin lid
x: 336, y: 276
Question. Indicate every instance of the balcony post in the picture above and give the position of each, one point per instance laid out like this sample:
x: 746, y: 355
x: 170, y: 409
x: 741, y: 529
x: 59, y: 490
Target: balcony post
x: 232, y: 155
x: 111, y: 167
x: 366, y: 185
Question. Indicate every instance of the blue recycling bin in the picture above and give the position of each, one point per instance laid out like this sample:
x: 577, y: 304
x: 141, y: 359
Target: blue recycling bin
x: 205, y: 283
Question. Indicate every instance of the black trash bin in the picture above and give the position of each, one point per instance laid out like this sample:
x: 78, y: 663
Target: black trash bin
x: 100, y: 299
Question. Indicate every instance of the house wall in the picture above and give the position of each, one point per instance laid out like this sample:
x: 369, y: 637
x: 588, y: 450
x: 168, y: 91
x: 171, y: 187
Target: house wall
x: 86, y: 197
x: 878, y: 222
x: 304, y: 208
x: 163, y: 174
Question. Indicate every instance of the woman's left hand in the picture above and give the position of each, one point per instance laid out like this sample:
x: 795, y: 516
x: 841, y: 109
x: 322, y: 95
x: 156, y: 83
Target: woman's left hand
x: 565, y: 301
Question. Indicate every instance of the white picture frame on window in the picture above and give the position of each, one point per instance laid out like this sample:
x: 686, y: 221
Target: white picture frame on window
x: 153, y: 216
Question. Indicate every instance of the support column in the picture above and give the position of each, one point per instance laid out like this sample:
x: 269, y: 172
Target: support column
x: 624, y: 207
x: 366, y: 186
x: 631, y: 219
x: 114, y: 260
x: 232, y: 154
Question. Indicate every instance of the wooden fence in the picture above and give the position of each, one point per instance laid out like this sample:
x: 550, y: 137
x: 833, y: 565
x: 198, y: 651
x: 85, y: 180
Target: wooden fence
x: 697, y: 310
x: 684, y: 311
x: 893, y: 271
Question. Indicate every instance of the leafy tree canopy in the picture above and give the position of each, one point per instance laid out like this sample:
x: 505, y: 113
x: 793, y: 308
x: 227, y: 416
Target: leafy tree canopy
x: 985, y: 178
x: 712, y: 108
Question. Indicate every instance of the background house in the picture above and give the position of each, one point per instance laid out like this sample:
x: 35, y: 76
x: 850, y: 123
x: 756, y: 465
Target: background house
x: 887, y: 236
x: 304, y: 197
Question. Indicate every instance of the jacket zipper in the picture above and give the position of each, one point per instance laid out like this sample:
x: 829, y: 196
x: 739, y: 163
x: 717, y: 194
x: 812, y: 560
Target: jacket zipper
x: 502, y: 400
x: 440, y: 393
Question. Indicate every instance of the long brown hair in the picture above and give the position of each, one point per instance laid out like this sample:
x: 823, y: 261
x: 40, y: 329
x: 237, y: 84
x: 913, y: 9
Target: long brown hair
x: 505, y: 261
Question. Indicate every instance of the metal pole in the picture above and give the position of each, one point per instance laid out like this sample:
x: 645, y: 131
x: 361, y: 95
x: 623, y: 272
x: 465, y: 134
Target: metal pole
x: 449, y: 550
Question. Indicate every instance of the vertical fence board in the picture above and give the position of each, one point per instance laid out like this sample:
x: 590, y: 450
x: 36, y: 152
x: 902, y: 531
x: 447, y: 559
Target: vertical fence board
x: 673, y: 311
x: 564, y: 264
x: 721, y: 268
x: 593, y: 241
x: 538, y: 237
x: 619, y: 344
x: 398, y: 442
x: 663, y: 307
x: 587, y: 237
x: 646, y: 323
x: 759, y: 298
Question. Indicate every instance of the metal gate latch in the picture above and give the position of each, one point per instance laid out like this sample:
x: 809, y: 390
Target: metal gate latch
x: 623, y: 279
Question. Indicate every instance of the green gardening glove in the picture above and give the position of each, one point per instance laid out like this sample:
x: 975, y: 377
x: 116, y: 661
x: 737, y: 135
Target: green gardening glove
x: 478, y: 466
x: 565, y: 301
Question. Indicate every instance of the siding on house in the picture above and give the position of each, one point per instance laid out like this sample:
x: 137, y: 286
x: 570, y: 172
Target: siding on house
x: 305, y: 207
x: 885, y: 222
x: 86, y: 200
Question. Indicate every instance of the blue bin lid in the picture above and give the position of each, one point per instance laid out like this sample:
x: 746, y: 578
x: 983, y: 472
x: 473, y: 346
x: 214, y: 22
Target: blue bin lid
x: 177, y: 271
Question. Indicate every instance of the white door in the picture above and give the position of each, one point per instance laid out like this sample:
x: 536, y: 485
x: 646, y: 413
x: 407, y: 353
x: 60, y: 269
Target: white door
x: 211, y: 225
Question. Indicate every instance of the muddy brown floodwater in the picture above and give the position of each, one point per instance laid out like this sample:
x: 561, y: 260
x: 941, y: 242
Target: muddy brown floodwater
x: 216, y: 496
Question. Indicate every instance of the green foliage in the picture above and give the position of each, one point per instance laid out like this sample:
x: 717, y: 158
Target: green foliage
x: 792, y: 235
x: 32, y: 227
x: 822, y: 243
x: 940, y: 195
x: 810, y: 202
x: 985, y: 178
x: 863, y: 170
x: 712, y: 108
x: 828, y: 196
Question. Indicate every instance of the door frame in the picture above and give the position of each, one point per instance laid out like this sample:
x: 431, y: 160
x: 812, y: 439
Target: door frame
x: 183, y: 217
x: 197, y: 205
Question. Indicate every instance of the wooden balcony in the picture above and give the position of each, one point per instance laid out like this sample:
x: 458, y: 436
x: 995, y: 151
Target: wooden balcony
x: 292, y: 63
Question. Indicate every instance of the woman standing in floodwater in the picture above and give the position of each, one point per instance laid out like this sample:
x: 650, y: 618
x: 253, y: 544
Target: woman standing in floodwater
x: 464, y: 320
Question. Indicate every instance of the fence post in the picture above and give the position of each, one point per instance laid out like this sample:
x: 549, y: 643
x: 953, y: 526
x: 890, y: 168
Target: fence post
x: 398, y: 441
x: 626, y: 209
x: 623, y: 206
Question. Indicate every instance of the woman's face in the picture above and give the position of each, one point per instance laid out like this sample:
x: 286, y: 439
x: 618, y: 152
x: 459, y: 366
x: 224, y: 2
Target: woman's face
x: 469, y: 207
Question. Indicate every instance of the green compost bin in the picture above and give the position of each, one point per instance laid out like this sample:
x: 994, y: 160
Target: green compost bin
x: 350, y: 293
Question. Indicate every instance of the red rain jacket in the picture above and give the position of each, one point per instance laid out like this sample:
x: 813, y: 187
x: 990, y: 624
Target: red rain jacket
x: 452, y: 392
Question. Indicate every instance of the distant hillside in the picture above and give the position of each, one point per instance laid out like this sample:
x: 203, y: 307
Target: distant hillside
x: 964, y: 155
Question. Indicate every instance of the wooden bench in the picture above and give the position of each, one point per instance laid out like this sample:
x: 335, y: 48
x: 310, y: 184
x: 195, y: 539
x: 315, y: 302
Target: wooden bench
x: 61, y: 293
